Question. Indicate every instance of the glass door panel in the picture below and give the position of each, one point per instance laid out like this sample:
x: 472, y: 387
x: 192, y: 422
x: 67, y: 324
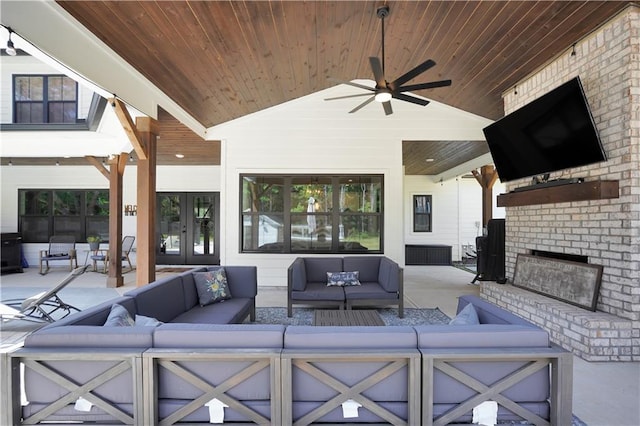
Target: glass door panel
x: 187, y: 227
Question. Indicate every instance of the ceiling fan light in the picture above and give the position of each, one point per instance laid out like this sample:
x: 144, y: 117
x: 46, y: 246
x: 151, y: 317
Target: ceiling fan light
x: 383, y: 96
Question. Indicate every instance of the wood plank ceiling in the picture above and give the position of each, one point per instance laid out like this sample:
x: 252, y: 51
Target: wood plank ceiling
x: 221, y: 60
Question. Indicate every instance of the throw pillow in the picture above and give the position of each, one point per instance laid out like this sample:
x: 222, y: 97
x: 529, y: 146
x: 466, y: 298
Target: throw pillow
x: 211, y: 286
x: 119, y: 317
x: 343, y: 278
x: 467, y: 316
x: 141, y: 320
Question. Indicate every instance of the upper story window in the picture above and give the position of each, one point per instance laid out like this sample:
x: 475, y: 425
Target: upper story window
x: 312, y: 214
x: 422, y: 205
x: 44, y: 99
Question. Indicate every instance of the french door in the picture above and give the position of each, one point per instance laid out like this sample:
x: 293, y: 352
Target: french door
x: 187, y: 228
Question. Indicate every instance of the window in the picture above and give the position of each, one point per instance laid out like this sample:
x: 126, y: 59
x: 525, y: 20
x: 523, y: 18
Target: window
x: 311, y: 214
x: 46, y: 212
x: 422, y: 213
x: 44, y: 99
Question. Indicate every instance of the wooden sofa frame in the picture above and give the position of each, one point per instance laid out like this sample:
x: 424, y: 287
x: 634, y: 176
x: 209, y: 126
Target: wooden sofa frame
x: 421, y: 367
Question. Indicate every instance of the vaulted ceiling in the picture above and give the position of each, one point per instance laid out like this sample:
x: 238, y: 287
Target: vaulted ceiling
x: 220, y: 60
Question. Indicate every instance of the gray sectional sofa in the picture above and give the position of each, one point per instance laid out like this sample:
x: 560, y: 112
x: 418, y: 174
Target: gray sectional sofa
x: 178, y: 372
x: 381, y: 283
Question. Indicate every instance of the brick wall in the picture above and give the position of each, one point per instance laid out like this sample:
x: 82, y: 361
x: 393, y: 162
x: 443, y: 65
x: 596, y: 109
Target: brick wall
x: 606, y: 231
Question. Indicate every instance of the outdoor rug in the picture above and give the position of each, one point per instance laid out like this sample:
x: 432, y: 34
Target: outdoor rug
x: 304, y: 316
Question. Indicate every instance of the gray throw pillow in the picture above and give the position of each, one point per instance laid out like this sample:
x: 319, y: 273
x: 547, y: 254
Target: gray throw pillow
x: 467, y: 316
x: 141, y: 320
x: 212, y: 286
x: 343, y: 278
x: 119, y: 317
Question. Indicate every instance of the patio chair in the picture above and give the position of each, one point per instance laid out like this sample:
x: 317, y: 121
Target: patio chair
x: 41, y: 307
x: 103, y: 255
x: 61, y: 247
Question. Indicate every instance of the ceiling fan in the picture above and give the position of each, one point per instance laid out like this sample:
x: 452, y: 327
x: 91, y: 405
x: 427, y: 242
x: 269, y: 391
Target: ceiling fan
x: 384, y: 91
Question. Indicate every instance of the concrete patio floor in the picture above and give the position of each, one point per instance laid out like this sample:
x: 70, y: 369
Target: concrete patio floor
x: 604, y: 393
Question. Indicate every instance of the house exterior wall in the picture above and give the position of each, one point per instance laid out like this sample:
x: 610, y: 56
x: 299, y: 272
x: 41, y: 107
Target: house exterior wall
x: 457, y: 211
x: 310, y: 136
x: 169, y: 178
x: 606, y: 231
x: 23, y: 64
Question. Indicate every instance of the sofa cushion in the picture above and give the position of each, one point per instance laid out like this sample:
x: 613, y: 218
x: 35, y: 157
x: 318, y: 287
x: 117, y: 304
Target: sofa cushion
x: 95, y: 315
x: 467, y: 316
x: 368, y: 266
x: 189, y: 288
x: 488, y: 313
x: 211, y: 286
x: 226, y: 312
x: 343, y: 278
x: 242, y: 280
x: 163, y: 299
x: 360, y: 337
x: 232, y: 336
x: 119, y: 317
x: 389, y: 275
x: 298, y: 275
x: 89, y: 336
x: 480, y: 336
x: 319, y: 291
x: 316, y: 268
x: 142, y: 321
x: 368, y: 291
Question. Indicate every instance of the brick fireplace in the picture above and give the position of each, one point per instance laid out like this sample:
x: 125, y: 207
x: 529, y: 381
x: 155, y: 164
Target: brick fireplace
x: 605, y: 232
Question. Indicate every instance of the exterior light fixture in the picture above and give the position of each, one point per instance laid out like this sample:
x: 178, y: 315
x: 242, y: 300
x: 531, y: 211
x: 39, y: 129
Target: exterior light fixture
x: 383, y: 95
x: 11, y: 50
x: 179, y: 155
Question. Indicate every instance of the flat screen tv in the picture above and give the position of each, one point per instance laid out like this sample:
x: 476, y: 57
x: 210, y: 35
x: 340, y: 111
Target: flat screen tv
x: 552, y: 133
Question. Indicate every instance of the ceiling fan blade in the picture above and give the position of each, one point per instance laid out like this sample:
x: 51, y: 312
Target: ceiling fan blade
x: 387, y: 108
x: 365, y: 103
x: 411, y: 74
x: 347, y: 96
x: 409, y: 98
x: 361, y: 86
x: 430, y: 85
x: 378, y: 73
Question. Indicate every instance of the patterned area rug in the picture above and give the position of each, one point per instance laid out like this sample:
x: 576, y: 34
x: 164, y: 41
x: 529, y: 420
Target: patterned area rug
x: 304, y: 316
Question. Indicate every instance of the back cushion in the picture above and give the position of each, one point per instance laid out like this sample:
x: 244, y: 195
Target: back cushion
x: 389, y: 276
x: 95, y: 315
x: 488, y: 313
x: 227, y: 336
x: 189, y: 288
x: 364, y: 337
x: 163, y: 299
x: 368, y: 267
x: 317, y: 268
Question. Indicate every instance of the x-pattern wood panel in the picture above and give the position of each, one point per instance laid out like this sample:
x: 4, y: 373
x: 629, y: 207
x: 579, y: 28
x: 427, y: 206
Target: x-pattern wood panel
x: 211, y: 391
x: 44, y: 365
x: 307, y: 363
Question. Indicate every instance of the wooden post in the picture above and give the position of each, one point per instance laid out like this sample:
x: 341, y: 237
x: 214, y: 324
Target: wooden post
x: 117, y: 165
x: 486, y: 178
x: 146, y: 198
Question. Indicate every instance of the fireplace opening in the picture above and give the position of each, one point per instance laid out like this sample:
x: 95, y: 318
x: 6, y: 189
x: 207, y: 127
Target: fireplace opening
x: 561, y: 256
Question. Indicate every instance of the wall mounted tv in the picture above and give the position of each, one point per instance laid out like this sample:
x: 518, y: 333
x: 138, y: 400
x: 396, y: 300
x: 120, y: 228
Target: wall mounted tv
x: 552, y: 133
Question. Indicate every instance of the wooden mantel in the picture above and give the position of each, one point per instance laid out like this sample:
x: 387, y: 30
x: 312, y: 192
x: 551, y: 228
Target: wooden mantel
x: 596, y: 190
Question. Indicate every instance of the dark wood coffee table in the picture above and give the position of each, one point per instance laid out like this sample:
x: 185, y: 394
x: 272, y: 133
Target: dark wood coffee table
x: 325, y: 317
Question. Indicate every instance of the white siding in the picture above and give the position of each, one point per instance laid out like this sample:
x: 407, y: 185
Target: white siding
x: 170, y: 178
x: 457, y: 211
x: 12, y: 65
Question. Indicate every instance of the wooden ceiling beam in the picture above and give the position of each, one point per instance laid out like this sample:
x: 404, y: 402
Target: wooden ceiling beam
x: 98, y: 165
x: 129, y: 127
